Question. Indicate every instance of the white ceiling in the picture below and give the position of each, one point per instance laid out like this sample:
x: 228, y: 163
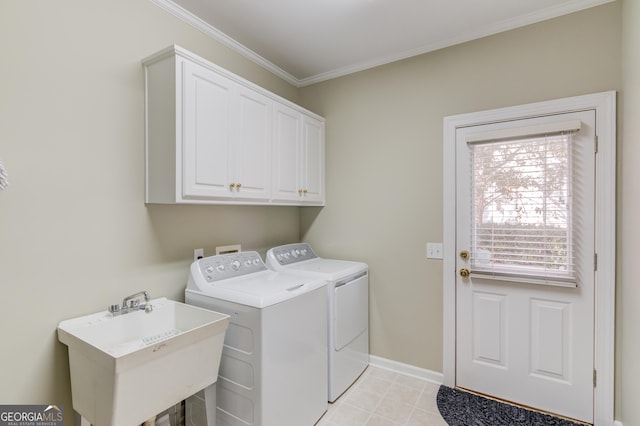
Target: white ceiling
x: 307, y: 41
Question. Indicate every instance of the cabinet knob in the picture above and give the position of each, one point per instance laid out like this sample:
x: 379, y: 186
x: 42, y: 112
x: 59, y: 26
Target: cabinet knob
x: 300, y: 191
x: 238, y: 185
x: 232, y: 185
x: 305, y: 191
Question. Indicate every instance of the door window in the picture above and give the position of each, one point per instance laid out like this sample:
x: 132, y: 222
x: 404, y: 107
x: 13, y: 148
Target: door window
x: 522, y: 203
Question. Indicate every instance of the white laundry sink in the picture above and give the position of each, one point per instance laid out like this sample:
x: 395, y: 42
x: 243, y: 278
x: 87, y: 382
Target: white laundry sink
x: 126, y: 369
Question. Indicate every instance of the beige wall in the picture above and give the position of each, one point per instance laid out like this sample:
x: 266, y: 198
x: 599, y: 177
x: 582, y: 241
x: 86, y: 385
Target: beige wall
x: 628, y: 314
x: 75, y: 234
x: 384, y: 156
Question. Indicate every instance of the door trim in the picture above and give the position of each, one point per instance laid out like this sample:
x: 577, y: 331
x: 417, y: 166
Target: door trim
x: 604, y: 351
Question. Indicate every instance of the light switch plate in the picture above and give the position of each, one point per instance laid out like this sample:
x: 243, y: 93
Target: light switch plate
x: 434, y: 250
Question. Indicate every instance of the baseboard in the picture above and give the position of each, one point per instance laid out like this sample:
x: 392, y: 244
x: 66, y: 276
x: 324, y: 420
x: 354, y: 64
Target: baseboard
x: 409, y: 370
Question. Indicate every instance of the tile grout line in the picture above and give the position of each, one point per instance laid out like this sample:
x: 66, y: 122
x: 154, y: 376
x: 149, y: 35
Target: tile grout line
x: 386, y: 392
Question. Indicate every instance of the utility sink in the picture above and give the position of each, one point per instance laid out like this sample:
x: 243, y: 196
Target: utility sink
x: 126, y: 369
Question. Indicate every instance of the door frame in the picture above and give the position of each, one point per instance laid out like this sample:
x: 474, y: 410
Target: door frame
x: 605, y: 227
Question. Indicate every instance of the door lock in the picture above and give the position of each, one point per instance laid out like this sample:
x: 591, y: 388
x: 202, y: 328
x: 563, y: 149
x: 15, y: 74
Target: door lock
x: 464, y: 254
x: 464, y: 272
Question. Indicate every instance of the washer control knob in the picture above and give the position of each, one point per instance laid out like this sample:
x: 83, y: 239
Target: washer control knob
x: 295, y: 253
x: 304, y: 252
x: 247, y: 263
x: 220, y: 268
x: 287, y: 255
x: 236, y: 265
x: 256, y: 262
x: 209, y: 270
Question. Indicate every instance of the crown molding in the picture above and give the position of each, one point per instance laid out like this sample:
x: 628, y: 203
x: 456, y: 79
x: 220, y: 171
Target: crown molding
x: 498, y: 27
x: 224, y: 39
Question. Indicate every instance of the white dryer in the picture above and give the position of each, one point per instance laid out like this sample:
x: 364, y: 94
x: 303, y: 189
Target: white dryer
x: 348, y: 303
x: 273, y: 370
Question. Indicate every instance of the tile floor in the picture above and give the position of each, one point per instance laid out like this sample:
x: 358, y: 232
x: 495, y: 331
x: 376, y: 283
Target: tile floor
x: 384, y: 398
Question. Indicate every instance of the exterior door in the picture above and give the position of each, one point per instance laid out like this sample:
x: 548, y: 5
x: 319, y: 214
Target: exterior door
x: 525, y: 261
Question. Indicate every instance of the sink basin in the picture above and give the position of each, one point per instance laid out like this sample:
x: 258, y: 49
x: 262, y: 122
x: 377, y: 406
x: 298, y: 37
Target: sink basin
x: 126, y: 369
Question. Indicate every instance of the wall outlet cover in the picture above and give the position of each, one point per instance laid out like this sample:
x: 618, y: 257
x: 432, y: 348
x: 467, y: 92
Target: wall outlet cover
x: 198, y: 254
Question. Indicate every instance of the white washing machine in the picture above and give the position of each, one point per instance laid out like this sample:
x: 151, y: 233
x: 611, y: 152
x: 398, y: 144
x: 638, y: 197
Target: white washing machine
x: 273, y: 370
x: 348, y: 303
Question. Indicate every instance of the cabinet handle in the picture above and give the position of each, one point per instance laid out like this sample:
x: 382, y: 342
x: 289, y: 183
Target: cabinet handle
x: 238, y: 185
x: 305, y: 192
x: 232, y: 185
x: 300, y: 191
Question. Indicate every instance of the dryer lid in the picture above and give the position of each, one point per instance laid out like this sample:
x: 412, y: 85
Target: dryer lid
x: 329, y: 269
x: 301, y: 259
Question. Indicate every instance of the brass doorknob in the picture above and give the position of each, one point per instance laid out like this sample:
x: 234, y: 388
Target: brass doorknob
x: 464, y: 272
x: 464, y: 254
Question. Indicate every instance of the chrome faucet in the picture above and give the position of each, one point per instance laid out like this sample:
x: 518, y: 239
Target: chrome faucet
x: 132, y: 303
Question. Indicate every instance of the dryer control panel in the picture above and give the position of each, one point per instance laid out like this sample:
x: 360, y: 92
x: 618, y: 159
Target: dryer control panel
x: 292, y: 253
x: 225, y: 266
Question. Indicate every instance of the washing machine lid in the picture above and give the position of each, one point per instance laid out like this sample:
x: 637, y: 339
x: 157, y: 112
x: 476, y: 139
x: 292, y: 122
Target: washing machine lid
x: 300, y: 259
x: 238, y: 278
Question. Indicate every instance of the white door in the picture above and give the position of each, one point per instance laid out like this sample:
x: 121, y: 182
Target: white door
x: 287, y: 131
x: 525, y: 262
x: 207, y: 103
x: 313, y: 160
x: 252, y: 150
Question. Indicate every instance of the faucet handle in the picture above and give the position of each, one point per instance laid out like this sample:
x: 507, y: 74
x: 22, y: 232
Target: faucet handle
x: 114, y: 308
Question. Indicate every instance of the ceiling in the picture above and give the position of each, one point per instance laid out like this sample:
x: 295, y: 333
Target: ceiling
x: 308, y: 41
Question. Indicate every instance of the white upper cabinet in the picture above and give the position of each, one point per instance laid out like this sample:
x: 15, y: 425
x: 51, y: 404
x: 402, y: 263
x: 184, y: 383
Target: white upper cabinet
x: 207, y: 147
x: 214, y: 138
x: 253, y: 145
x: 287, y: 154
x: 298, y: 157
x: 312, y: 161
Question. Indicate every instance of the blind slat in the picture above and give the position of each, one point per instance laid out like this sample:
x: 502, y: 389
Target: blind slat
x: 521, y: 203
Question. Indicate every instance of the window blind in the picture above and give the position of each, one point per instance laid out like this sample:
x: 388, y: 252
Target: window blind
x: 522, y: 204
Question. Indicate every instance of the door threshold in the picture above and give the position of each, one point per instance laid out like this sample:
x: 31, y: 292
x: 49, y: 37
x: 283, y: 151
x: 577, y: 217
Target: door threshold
x: 526, y: 407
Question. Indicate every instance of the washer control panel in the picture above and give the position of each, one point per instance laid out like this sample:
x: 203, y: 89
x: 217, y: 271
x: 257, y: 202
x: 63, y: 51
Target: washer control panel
x: 292, y: 253
x: 224, y: 266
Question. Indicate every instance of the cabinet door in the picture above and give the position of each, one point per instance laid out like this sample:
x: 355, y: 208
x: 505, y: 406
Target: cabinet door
x: 207, y: 100
x: 252, y: 146
x: 313, y: 161
x: 287, y: 152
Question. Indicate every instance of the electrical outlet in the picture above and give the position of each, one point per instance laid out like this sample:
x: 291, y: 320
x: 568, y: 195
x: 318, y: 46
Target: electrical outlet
x: 434, y: 250
x: 198, y: 254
